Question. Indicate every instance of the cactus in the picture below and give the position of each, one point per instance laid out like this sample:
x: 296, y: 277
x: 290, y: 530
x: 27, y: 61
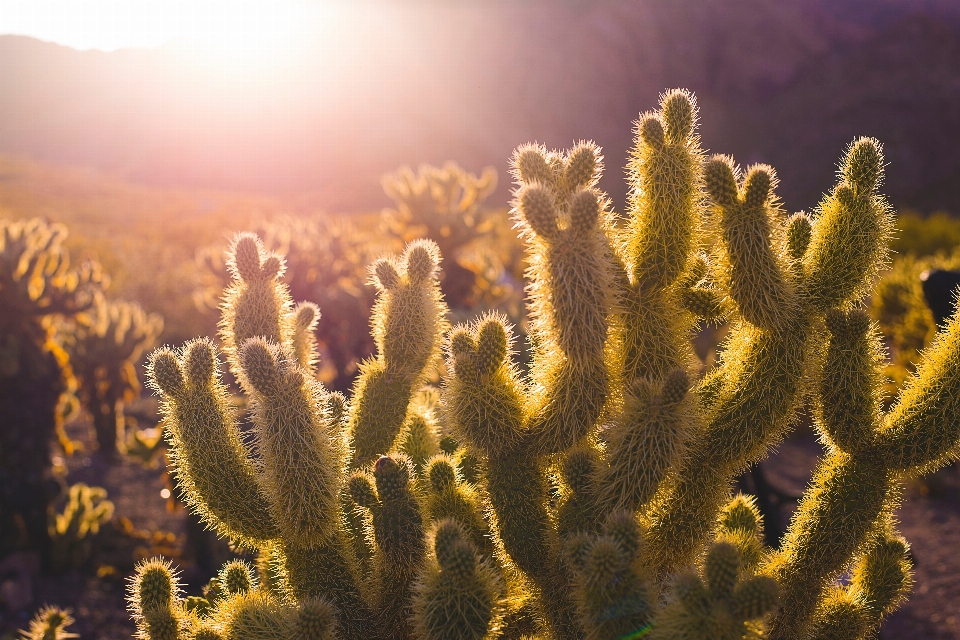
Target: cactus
x: 445, y: 205
x: 590, y: 499
x: 104, y: 349
x: 72, y: 531
x: 37, y: 285
x: 50, y: 623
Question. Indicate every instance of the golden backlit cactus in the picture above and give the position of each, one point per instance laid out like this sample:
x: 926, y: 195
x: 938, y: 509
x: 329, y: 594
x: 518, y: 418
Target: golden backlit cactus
x: 73, y: 530
x: 104, y: 349
x: 590, y: 498
x: 38, y: 289
x: 50, y: 623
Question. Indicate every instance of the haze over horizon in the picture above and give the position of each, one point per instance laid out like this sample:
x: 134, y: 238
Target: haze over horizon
x: 327, y: 96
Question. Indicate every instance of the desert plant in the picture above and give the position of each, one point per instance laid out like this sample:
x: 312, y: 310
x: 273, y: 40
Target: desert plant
x: 605, y: 476
x: 327, y: 259
x: 446, y: 205
x: 104, y: 348
x: 37, y: 285
x: 73, y: 530
x: 50, y: 623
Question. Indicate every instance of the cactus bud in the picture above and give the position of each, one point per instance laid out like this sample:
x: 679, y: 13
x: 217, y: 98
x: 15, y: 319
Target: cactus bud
x: 539, y: 210
x: 741, y: 514
x: 491, y: 346
x: 584, y: 210
x: 386, y: 273
x: 651, y: 131
x: 237, y: 577
x: 721, y: 568
x: 679, y: 115
x: 582, y: 166
x: 531, y: 165
x: 863, y: 165
x: 721, y: 180
x: 316, y: 620
x: 755, y: 597
x: 422, y: 260
x: 441, y: 473
x: 258, y: 359
x: 200, y: 362
x: 622, y: 528
x: 165, y: 372
x: 675, y: 387
x: 361, y: 490
x: 391, y: 477
x: 799, y: 231
x: 758, y: 184
x: 246, y: 257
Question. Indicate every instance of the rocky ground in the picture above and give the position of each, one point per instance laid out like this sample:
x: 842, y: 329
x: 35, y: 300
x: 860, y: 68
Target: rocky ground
x: 147, y: 523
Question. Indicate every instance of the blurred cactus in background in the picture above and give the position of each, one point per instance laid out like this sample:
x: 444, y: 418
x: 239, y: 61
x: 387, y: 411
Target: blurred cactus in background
x: 446, y: 204
x: 104, y: 347
x: 37, y: 286
x: 591, y: 498
x: 73, y: 530
x: 50, y: 623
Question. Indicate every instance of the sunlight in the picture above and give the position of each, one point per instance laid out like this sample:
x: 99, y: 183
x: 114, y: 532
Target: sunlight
x: 240, y: 37
x: 231, y: 37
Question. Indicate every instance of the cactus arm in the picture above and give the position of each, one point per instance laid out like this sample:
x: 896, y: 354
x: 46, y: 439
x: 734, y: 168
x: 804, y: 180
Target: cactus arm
x: 847, y: 245
x: 256, y: 304
x: 922, y: 431
x: 407, y: 321
x: 756, y: 273
x: 563, y: 219
x: 288, y: 413
x: 212, y: 464
x: 646, y: 442
x: 456, y: 593
x: 154, y: 598
x: 754, y: 407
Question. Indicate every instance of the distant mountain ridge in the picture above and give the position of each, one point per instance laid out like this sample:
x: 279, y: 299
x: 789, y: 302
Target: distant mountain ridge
x: 788, y: 82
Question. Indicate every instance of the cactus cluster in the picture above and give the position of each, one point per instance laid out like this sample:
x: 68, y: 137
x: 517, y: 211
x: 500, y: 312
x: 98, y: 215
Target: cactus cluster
x: 590, y: 499
x: 445, y: 204
x: 37, y: 286
x: 104, y: 348
x: 50, y: 623
x: 73, y: 530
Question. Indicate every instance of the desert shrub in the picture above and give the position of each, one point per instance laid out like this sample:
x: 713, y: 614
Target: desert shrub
x: 37, y: 286
x: 591, y: 498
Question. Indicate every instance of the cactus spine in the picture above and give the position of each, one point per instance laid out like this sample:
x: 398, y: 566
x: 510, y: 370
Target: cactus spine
x: 592, y: 498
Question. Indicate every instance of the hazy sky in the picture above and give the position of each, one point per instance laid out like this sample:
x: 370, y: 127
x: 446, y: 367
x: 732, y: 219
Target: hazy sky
x: 219, y: 26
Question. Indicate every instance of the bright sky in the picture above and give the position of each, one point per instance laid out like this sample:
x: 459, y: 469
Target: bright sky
x: 234, y: 29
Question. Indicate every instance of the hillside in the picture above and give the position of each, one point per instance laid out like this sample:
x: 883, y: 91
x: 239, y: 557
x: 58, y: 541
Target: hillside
x: 784, y: 81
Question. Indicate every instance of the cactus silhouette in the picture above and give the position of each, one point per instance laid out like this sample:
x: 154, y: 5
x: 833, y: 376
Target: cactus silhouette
x: 37, y: 286
x: 590, y: 498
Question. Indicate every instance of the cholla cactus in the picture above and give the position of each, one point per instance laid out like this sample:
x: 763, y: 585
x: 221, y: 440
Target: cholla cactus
x: 104, y: 348
x: 37, y: 285
x: 50, y: 623
x: 445, y: 204
x: 592, y: 499
x: 73, y: 530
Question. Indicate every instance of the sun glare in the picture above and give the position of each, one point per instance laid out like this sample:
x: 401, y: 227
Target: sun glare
x: 243, y: 37
x: 232, y: 36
